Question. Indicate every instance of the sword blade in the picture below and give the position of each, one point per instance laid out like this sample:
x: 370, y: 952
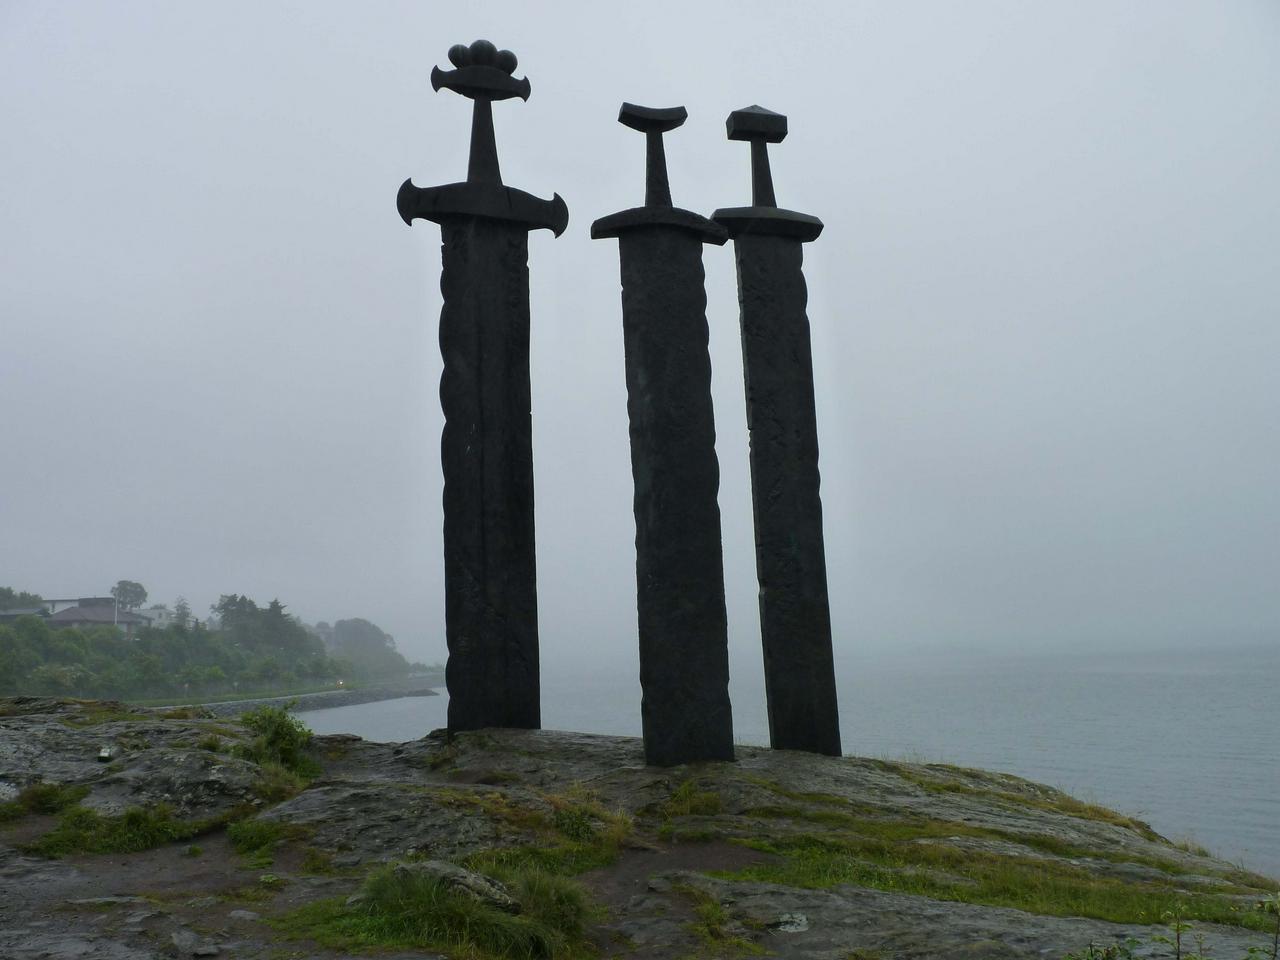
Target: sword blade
x: 684, y: 666
x: 795, y: 619
x: 491, y: 609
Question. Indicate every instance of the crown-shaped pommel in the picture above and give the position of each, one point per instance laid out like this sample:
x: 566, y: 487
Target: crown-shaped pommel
x: 757, y: 123
x: 482, y: 72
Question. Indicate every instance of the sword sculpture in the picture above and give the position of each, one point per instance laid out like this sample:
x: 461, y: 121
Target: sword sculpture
x: 777, y: 358
x: 491, y: 606
x: 684, y: 659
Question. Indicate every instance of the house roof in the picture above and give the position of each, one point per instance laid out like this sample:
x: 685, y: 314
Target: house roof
x: 97, y: 614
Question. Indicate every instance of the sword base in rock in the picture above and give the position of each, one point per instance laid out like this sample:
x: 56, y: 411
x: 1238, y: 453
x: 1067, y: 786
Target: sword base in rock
x: 684, y: 662
x: 491, y: 608
x: 777, y: 359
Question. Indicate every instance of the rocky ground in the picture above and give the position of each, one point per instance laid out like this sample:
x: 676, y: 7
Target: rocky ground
x: 780, y: 853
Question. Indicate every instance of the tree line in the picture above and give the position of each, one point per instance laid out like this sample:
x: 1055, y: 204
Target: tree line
x: 249, y: 648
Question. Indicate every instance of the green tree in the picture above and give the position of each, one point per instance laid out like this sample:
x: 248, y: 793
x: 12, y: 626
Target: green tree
x: 16, y: 599
x: 129, y: 594
x: 181, y: 612
x: 368, y: 648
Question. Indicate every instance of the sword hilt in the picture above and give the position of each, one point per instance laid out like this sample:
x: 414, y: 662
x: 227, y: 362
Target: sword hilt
x: 483, y: 74
x: 653, y: 122
x: 761, y: 127
x: 658, y: 209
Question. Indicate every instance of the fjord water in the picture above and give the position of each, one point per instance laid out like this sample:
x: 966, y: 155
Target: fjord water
x: 1188, y: 741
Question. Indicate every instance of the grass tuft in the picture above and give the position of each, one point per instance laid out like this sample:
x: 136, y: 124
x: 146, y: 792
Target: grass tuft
x: 687, y: 801
x: 713, y: 925
x: 944, y: 872
x: 257, y: 840
x: 81, y: 830
x: 41, y: 797
x: 402, y: 910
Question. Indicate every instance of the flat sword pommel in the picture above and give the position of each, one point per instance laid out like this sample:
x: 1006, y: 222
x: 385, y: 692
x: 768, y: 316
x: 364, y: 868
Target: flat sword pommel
x: 652, y: 119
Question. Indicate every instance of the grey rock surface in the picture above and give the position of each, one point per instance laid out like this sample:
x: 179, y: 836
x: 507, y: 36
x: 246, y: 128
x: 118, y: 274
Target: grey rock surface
x: 443, y: 799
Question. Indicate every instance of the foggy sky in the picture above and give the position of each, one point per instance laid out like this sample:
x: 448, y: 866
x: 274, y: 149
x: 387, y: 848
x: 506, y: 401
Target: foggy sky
x: 1044, y: 307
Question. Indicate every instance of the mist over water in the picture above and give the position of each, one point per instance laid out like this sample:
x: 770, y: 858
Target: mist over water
x: 1187, y: 741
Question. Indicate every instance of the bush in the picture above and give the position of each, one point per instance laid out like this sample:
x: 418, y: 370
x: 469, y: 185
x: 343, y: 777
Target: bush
x: 280, y: 738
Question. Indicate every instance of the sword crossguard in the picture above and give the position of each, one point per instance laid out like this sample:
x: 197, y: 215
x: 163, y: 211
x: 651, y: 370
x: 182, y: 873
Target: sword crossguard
x: 482, y: 73
x: 761, y: 127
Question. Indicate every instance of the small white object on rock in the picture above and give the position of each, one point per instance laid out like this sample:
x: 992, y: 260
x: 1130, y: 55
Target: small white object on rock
x: 242, y: 915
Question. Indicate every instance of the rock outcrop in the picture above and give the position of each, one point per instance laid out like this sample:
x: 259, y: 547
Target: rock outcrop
x: 795, y: 854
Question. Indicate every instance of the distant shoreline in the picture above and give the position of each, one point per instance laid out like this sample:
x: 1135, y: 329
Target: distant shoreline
x: 320, y: 700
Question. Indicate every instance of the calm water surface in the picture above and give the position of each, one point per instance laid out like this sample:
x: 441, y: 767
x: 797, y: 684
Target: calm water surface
x: 1188, y: 742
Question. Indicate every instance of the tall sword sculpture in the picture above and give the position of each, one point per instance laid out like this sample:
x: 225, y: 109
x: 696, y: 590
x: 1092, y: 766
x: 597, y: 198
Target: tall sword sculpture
x: 491, y: 605
x: 684, y: 661
x: 795, y: 620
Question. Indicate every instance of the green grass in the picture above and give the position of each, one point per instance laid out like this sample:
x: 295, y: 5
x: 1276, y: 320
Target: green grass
x: 578, y: 835
x: 687, y: 801
x: 211, y: 742
x: 317, y: 863
x: 401, y: 910
x: 275, y: 783
x: 944, y: 872
x: 712, y: 925
x: 81, y: 830
x: 257, y: 840
x: 95, y: 715
x: 42, y: 797
x: 825, y: 799
x: 1036, y: 798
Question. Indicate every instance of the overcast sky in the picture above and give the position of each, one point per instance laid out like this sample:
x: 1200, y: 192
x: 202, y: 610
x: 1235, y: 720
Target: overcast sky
x: 1044, y: 309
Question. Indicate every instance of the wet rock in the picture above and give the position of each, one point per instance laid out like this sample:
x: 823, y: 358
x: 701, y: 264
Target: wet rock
x: 790, y: 923
x: 150, y: 758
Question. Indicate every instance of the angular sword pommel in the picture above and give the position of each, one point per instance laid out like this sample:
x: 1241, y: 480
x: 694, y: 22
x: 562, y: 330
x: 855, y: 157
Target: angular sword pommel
x: 757, y: 123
